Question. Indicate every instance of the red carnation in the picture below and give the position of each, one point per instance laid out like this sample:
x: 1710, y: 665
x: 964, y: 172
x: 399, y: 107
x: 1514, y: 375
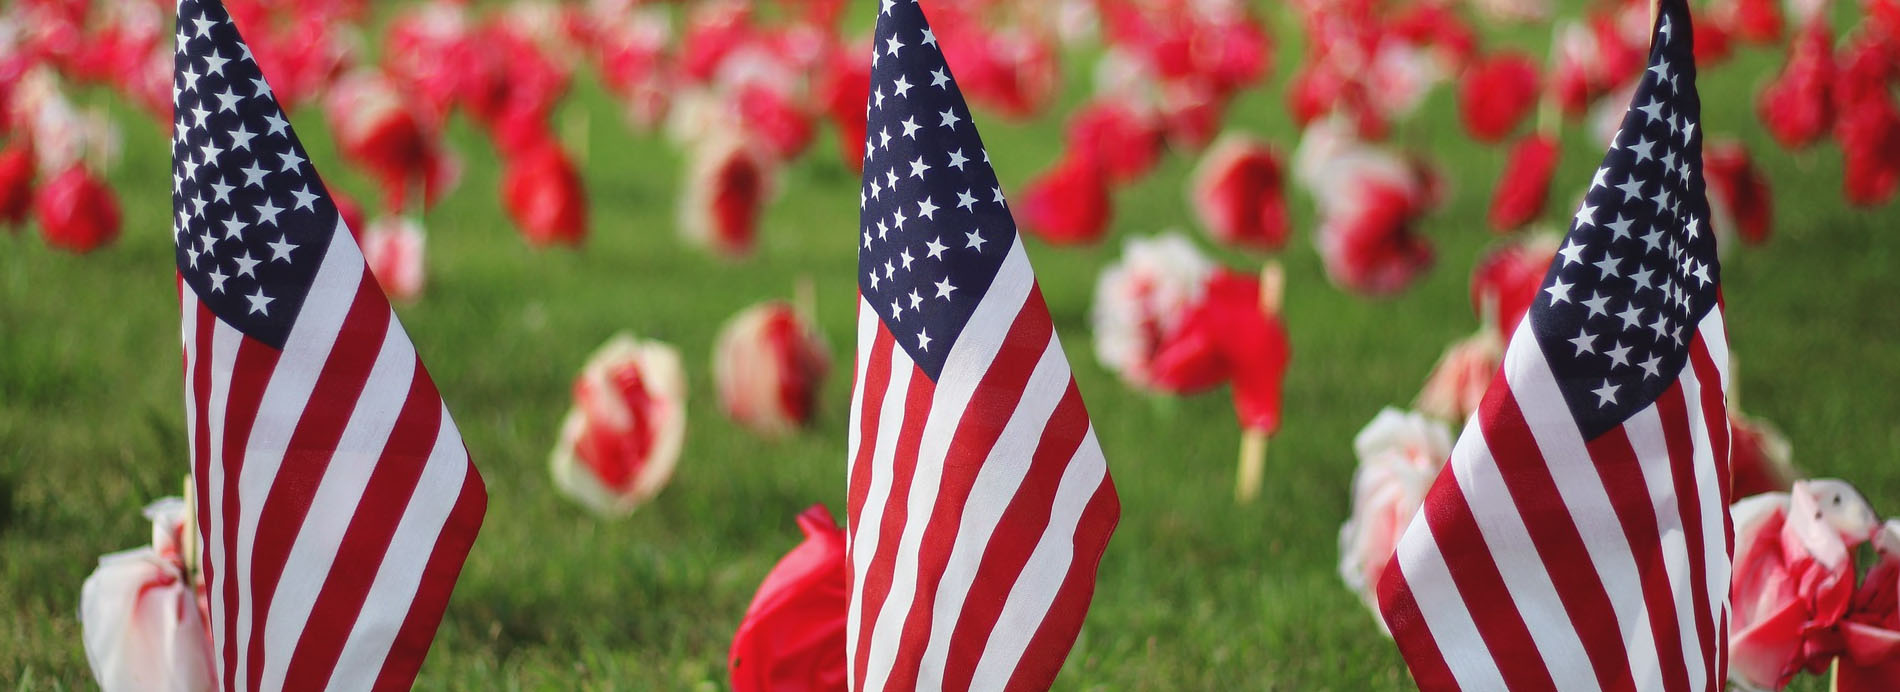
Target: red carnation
x: 1525, y: 184
x: 16, y: 183
x: 793, y: 634
x: 1496, y: 94
x: 1756, y: 21
x: 1370, y: 245
x: 1067, y: 205
x: 1126, y: 142
x: 1739, y: 191
x: 1797, y: 107
x: 1228, y: 335
x: 1507, y: 279
x: 544, y: 195
x: 76, y: 211
x: 1237, y: 192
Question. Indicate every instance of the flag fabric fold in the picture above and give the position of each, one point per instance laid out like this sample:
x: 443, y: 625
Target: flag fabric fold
x: 979, y: 502
x: 1579, y: 536
x: 336, y: 500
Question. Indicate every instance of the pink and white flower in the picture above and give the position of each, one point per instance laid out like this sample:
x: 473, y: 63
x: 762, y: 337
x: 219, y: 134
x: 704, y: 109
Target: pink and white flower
x: 621, y: 440
x: 1792, y: 579
x: 393, y: 248
x: 1457, y: 384
x: 141, y: 615
x: 1142, y: 299
x: 768, y: 365
x: 1400, y: 453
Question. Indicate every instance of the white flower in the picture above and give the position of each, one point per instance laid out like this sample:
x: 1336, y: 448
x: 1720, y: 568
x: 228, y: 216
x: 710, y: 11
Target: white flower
x: 1400, y: 454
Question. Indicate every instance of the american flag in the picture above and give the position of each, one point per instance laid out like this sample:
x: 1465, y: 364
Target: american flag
x: 335, y: 499
x: 979, y: 501
x: 1579, y: 538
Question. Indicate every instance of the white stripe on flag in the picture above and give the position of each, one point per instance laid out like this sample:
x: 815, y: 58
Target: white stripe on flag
x: 867, y: 334
x: 1455, y: 634
x: 386, y: 606
x: 871, y: 516
x: 1645, y: 434
x: 225, y: 343
x: 306, y: 349
x: 1041, y: 579
x: 996, y: 483
x: 1508, y: 542
x: 1568, y: 460
x: 334, y: 504
x: 1714, y: 511
x: 969, y: 360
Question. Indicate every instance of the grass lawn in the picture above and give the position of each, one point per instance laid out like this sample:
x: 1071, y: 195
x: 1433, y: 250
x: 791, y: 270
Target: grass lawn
x: 1194, y: 593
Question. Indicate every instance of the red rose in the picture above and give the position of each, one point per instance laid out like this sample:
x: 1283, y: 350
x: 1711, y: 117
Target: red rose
x: 1124, y: 141
x: 768, y: 364
x: 792, y: 637
x: 725, y: 194
x: 1508, y: 277
x: 1757, y: 21
x: 1228, y: 336
x: 1067, y: 205
x: 545, y: 197
x: 76, y: 211
x: 1525, y: 183
x: 16, y: 183
x: 1371, y: 245
x: 1237, y: 193
x: 1797, y: 107
x: 1496, y: 94
x: 1741, y: 201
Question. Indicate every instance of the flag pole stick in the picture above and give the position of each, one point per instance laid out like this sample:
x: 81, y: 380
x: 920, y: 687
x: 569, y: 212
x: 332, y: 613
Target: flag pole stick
x: 1253, y: 441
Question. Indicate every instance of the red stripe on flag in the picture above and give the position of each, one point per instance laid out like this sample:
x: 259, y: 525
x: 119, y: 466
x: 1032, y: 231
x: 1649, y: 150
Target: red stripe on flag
x: 877, y: 379
x: 411, y: 644
x: 381, y: 508
x: 250, y: 374
x: 1416, y: 644
x: 1623, y: 481
x: 307, y: 456
x: 1526, y: 474
x: 199, y: 386
x: 877, y: 578
x: 1049, y: 647
x: 1001, y: 389
x: 1675, y: 430
x: 1474, y: 571
x: 1015, y: 538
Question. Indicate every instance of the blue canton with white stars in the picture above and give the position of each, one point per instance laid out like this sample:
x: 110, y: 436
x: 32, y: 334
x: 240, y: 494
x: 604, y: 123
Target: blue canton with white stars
x: 934, y: 226
x: 1638, y: 270
x: 252, y: 221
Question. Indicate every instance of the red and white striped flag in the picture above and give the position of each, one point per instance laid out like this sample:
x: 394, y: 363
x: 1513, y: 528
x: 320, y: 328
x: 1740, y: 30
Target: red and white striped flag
x: 1579, y: 538
x: 336, y: 502
x: 979, y: 501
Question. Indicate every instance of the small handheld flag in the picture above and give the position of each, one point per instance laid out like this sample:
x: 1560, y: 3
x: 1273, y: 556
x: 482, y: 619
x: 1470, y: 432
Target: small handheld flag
x: 979, y: 501
x: 1579, y: 538
x: 336, y: 502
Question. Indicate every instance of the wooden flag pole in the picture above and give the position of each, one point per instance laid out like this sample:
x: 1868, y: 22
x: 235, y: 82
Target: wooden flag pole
x: 1253, y: 441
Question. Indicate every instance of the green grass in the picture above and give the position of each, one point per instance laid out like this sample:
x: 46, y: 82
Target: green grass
x: 1194, y: 592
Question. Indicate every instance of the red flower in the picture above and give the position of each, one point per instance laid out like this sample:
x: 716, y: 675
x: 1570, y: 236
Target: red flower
x: 1495, y: 95
x: 1508, y: 278
x: 792, y: 637
x: 1869, y: 133
x: 1525, y: 183
x: 621, y: 439
x: 768, y: 364
x: 1797, y: 107
x: 393, y: 249
x: 1122, y: 140
x: 1228, y: 336
x: 1757, y: 21
x: 380, y: 129
x: 1237, y: 192
x: 1067, y: 205
x: 76, y: 211
x: 843, y: 89
x: 1712, y: 44
x: 16, y: 183
x: 770, y: 114
x: 725, y: 194
x: 544, y: 195
x: 1760, y: 459
x: 1370, y: 245
x: 1739, y: 192
x: 1870, y: 634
